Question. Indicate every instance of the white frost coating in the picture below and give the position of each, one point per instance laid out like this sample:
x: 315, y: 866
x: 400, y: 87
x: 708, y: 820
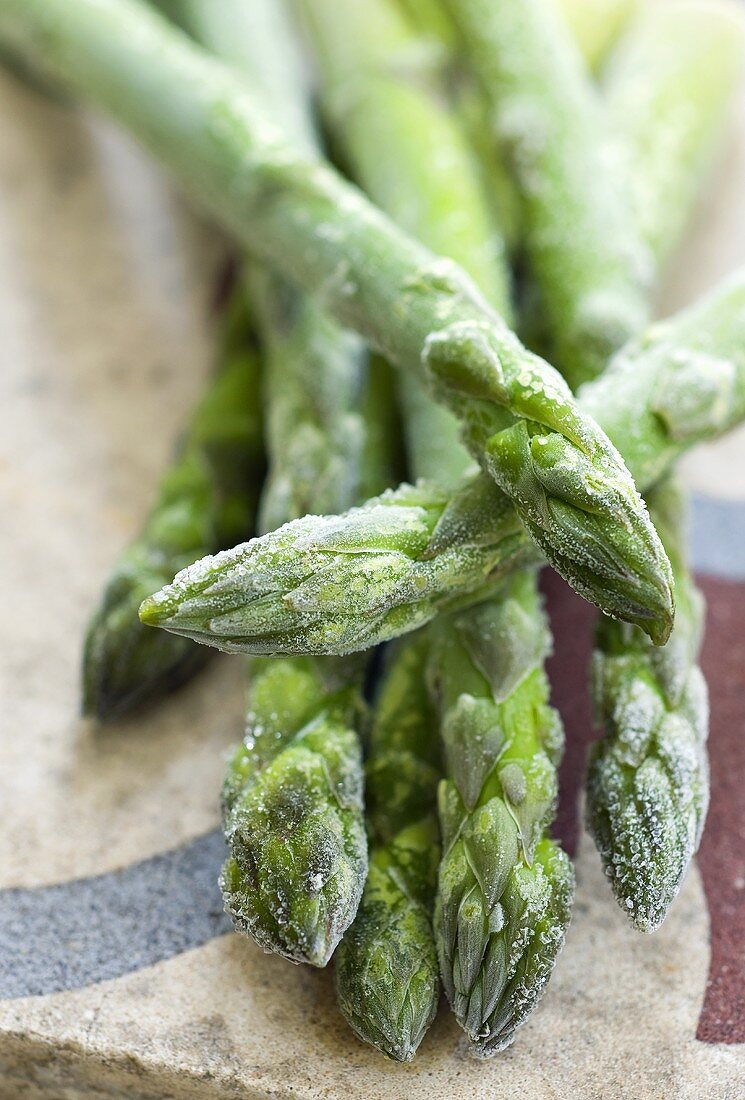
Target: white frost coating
x: 696, y: 393
x: 637, y: 709
x: 648, y: 781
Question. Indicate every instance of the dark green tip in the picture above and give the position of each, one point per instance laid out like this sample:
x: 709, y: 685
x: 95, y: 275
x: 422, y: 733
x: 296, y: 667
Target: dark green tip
x: 124, y: 665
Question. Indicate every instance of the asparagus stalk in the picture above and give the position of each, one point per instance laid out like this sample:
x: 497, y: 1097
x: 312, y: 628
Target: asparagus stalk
x: 648, y: 776
x: 382, y: 87
x: 374, y: 68
x: 292, y: 796
x: 590, y: 268
x: 313, y: 383
x: 313, y: 374
x: 205, y: 500
x: 648, y: 782
x: 647, y: 790
x: 402, y: 106
x: 519, y: 418
x: 387, y: 978
x: 669, y: 91
x: 337, y: 584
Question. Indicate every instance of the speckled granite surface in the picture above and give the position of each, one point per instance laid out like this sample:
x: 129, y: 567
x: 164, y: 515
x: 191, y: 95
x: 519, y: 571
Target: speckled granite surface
x: 128, y: 985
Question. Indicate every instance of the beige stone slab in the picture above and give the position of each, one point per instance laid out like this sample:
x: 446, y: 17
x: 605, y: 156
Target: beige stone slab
x: 228, y: 1020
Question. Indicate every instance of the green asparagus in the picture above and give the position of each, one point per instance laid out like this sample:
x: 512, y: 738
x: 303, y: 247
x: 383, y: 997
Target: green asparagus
x: 387, y: 977
x: 205, y: 501
x: 292, y: 810
x: 341, y: 583
x: 590, y: 267
x: 505, y: 889
x: 313, y: 374
x: 292, y: 796
x: 565, y: 479
x: 367, y: 75
x: 681, y: 382
x: 315, y: 434
x: 648, y: 782
x: 669, y: 91
x: 381, y: 88
x: 374, y: 68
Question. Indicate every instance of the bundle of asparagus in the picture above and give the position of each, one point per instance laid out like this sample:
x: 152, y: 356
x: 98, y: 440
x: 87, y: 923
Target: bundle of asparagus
x: 602, y: 181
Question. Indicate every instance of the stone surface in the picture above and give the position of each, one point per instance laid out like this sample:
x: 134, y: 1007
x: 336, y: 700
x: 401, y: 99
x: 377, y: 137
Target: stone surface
x: 105, y: 283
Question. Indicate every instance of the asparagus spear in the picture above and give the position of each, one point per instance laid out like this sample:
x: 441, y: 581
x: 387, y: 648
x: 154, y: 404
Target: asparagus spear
x: 292, y: 796
x: 382, y: 87
x: 505, y: 889
x: 365, y: 76
x: 590, y: 268
x: 379, y: 91
x: 518, y: 416
x: 315, y: 433
x: 206, y: 499
x: 341, y: 583
x: 648, y: 780
x: 669, y: 90
x: 387, y: 978
x: 648, y: 777
x: 387, y: 974
x: 313, y: 374
x: 293, y: 811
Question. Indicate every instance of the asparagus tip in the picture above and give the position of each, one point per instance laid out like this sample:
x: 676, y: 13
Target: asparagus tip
x: 660, y: 627
x: 155, y: 610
